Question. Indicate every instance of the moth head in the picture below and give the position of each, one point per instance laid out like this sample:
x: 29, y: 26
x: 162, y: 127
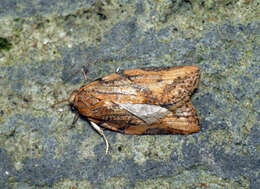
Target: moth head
x: 72, y: 96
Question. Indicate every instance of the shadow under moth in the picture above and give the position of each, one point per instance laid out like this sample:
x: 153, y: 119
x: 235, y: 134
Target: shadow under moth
x: 140, y: 101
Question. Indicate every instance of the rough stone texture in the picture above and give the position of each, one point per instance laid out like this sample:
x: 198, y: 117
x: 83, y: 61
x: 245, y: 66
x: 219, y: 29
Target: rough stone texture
x: 44, y: 44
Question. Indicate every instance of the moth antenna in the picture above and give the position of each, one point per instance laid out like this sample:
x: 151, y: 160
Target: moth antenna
x: 83, y: 69
x: 100, y: 131
x: 71, y: 75
x: 64, y: 100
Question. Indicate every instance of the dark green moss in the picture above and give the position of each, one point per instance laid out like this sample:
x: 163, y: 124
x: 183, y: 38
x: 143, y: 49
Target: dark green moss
x: 4, y: 44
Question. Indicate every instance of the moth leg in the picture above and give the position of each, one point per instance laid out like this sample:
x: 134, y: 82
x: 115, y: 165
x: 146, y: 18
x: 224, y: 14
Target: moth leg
x: 84, y: 71
x: 118, y: 69
x: 75, y: 119
x: 100, y: 131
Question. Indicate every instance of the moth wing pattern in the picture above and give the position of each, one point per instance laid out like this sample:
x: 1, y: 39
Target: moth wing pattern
x: 149, y: 113
x: 183, y: 121
x: 142, y: 101
x: 163, y: 86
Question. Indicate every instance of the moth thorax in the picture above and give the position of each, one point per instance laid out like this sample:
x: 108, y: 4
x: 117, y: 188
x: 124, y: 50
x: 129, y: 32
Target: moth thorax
x: 72, y: 96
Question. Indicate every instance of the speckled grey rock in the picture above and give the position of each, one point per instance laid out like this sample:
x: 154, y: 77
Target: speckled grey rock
x: 51, y: 42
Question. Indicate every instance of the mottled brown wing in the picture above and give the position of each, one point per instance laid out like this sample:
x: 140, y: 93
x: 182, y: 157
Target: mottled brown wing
x: 183, y: 121
x: 162, y: 86
x: 120, y: 101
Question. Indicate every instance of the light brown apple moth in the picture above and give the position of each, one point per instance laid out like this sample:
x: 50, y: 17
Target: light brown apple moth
x: 141, y: 101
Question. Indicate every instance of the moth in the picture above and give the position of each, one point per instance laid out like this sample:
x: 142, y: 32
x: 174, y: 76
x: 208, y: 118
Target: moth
x: 140, y: 101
